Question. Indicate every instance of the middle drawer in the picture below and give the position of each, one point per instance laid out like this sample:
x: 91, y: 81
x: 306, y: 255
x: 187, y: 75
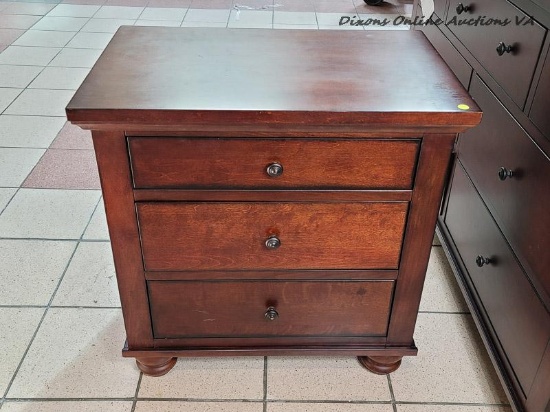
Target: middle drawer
x: 270, y: 235
x: 212, y: 163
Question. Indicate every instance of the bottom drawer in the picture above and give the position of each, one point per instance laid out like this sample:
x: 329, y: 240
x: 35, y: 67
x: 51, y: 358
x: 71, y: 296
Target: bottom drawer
x: 518, y: 317
x: 255, y: 309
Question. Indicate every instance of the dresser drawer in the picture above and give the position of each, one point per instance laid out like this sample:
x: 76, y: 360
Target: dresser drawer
x: 211, y: 309
x: 514, y: 70
x: 516, y: 313
x: 172, y: 162
x: 188, y: 236
x: 541, y: 103
x: 520, y: 202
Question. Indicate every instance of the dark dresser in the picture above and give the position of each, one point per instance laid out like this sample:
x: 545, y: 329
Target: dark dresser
x: 271, y: 192
x: 494, y: 221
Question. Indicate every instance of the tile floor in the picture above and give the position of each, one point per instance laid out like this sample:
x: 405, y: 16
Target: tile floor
x: 60, y: 317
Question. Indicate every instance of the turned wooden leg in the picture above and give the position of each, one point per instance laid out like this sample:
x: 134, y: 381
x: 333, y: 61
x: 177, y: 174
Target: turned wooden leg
x: 155, y: 366
x: 381, y: 365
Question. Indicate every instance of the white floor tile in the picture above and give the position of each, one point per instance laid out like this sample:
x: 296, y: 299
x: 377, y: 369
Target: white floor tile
x: 119, y: 12
x: 327, y: 407
x: 76, y: 353
x: 205, y: 15
x: 295, y: 26
x: 160, y: 13
x: 290, y: 17
x: 42, y: 38
x: 158, y: 23
x: 451, y: 408
x: 441, y: 292
x: 76, y: 58
x: 452, y: 364
x: 74, y: 10
x: 48, y: 213
x: 202, y: 24
x: 71, y: 24
x: 7, y: 96
x: 163, y: 406
x: 60, y: 78
x: 16, y: 164
x: 5, y: 196
x: 90, y: 279
x: 68, y: 406
x: 32, y: 56
x: 90, y: 40
x: 29, y: 131
x: 106, y: 25
x: 17, y: 21
x: 36, y: 102
x: 209, y: 378
x: 97, y: 229
x: 250, y: 19
x: 325, y: 378
x: 17, y: 76
x: 21, y: 324
x: 32, y: 262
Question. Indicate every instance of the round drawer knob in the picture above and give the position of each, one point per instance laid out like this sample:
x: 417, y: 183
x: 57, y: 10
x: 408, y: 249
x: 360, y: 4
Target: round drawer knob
x: 273, y: 242
x: 482, y: 261
x: 503, y: 48
x: 271, y: 313
x: 504, y: 173
x: 274, y: 170
x: 461, y: 8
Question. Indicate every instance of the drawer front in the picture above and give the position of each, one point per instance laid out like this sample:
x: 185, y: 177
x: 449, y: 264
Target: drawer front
x: 188, y: 236
x: 513, y: 70
x: 541, y: 103
x: 452, y: 57
x: 212, y: 309
x: 520, y: 202
x: 517, y: 315
x: 245, y: 163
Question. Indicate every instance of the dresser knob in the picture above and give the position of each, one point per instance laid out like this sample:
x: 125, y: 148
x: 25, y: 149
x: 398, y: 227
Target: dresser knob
x: 274, y: 170
x: 271, y: 313
x: 482, y: 261
x: 461, y: 8
x: 503, y: 48
x: 504, y: 173
x: 273, y: 242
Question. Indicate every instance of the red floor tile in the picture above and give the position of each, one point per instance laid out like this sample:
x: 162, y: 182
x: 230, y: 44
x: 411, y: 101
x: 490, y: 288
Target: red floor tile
x: 72, y: 137
x: 35, y: 9
x: 17, y: 21
x: 295, y: 5
x: 65, y: 169
x: 134, y: 3
x: 169, y: 3
x: 337, y: 6
x: 212, y: 4
x: 3, y: 47
x: 8, y: 36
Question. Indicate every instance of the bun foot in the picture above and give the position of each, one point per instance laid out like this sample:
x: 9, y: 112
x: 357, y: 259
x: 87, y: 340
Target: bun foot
x: 155, y: 366
x: 381, y: 365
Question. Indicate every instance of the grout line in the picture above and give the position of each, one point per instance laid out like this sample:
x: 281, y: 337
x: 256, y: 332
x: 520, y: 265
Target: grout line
x: 138, y: 386
x: 443, y: 313
x: 9, y: 201
x: 91, y: 217
x: 39, y: 325
x: 265, y: 385
x: 390, y: 386
x: 57, y: 240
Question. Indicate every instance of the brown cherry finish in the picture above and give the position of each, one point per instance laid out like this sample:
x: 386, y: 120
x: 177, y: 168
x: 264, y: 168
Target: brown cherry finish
x: 156, y: 366
x: 381, y: 365
x: 271, y: 196
x: 493, y: 222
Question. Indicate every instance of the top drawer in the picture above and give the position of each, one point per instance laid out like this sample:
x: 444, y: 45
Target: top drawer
x: 172, y: 162
x: 512, y: 69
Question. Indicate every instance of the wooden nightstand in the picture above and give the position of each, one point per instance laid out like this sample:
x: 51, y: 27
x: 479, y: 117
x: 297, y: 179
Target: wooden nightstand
x: 271, y: 192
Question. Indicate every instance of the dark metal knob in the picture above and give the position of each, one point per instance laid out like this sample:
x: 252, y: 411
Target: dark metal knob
x: 461, y: 8
x: 482, y: 261
x: 271, y: 313
x: 274, y: 170
x: 504, y: 173
x: 503, y: 48
x: 273, y: 242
